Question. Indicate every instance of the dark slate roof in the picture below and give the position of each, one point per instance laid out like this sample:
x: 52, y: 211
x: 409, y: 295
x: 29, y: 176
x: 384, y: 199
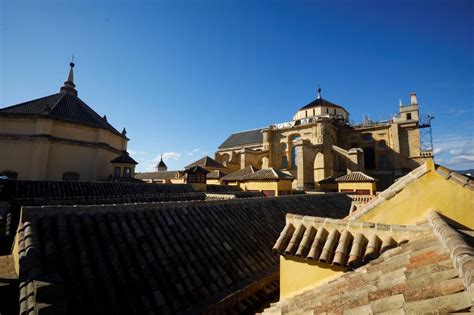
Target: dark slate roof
x: 156, y: 258
x: 239, y: 175
x: 196, y: 169
x: 355, y: 177
x: 15, y: 189
x: 125, y: 159
x: 160, y: 175
x: 242, y: 138
x: 430, y: 274
x: 162, y: 164
x: 268, y: 174
x: 321, y: 102
x: 62, y: 106
x: 206, y: 161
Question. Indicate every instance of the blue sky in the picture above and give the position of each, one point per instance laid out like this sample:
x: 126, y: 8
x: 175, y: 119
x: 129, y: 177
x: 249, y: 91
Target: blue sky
x: 183, y: 75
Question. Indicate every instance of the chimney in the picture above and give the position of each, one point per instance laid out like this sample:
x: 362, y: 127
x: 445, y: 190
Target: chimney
x: 413, y: 99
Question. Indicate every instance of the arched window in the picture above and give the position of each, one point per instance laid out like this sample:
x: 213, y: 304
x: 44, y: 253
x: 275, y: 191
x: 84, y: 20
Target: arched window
x: 71, y: 176
x: 293, y: 154
x: 293, y: 157
x: 10, y: 174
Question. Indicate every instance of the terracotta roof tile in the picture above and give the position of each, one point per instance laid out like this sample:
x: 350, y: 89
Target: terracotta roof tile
x: 339, y: 242
x: 355, y: 177
x: 206, y: 161
x: 238, y: 175
x: 418, y: 276
x: 160, y: 258
x: 62, y: 106
x: 268, y: 174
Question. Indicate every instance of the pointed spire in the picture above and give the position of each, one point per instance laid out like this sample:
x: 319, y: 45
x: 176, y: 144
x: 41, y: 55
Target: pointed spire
x: 319, y: 93
x: 400, y: 102
x: 124, y: 132
x: 105, y: 117
x: 69, y: 86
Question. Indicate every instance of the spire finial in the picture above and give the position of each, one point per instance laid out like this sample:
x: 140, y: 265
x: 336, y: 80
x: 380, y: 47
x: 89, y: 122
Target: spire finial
x: 319, y: 93
x: 69, y: 86
x: 400, y: 102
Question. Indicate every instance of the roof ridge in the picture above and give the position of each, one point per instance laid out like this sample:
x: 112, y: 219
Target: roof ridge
x: 23, y: 103
x: 391, y: 191
x: 454, y: 176
x: 57, y: 102
x: 354, y: 223
x: 462, y: 254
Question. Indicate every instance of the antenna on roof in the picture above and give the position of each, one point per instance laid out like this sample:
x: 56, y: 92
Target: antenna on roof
x: 72, y: 59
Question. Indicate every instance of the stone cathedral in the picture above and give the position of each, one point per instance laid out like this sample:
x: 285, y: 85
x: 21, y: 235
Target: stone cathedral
x: 321, y: 143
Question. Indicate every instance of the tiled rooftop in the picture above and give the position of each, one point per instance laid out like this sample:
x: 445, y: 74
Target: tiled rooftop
x: 239, y: 175
x: 340, y: 242
x: 160, y: 175
x: 62, y: 106
x: 206, y: 161
x: 156, y: 258
x: 244, y: 137
x: 268, y: 174
x: 216, y: 174
x: 355, y: 177
x: 73, y: 189
x: 432, y: 273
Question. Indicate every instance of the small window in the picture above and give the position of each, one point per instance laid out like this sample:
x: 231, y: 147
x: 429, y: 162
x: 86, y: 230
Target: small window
x: 127, y: 172
x: 334, y: 111
x: 9, y: 174
x: 314, y: 112
x: 408, y: 116
x: 71, y: 176
x: 117, y: 171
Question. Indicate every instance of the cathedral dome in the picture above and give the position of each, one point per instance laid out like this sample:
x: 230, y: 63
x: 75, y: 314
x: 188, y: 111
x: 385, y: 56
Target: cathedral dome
x: 321, y: 107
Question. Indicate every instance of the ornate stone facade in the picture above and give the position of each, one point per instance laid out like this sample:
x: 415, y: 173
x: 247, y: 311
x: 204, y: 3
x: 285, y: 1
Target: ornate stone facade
x: 320, y: 142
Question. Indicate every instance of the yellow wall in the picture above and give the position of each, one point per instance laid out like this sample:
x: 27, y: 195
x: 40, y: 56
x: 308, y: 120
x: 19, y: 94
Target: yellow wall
x: 298, y: 274
x: 429, y: 192
x: 355, y: 186
x: 44, y: 159
x: 213, y: 181
x: 268, y: 185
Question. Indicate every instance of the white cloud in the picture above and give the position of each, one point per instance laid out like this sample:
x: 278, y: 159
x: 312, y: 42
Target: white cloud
x: 455, y: 151
x: 437, y: 151
x: 133, y: 152
x: 168, y: 156
x: 463, y: 158
x: 193, y: 151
